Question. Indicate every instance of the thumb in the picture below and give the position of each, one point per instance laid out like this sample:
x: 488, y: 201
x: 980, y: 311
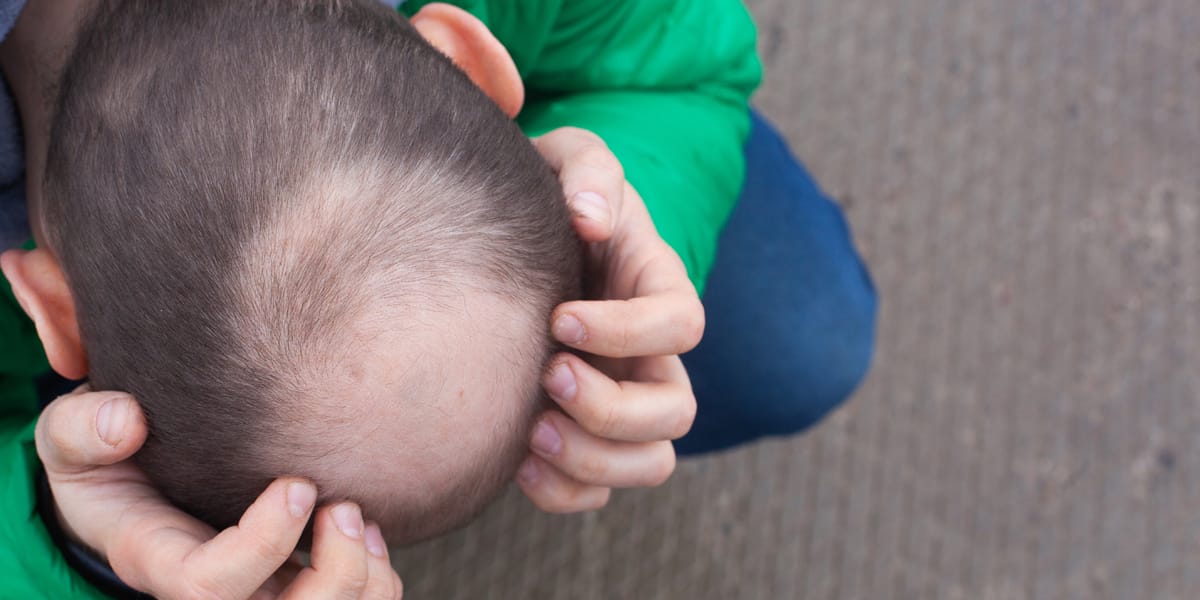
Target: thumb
x: 87, y: 429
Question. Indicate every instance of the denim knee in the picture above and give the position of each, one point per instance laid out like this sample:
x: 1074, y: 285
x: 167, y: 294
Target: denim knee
x: 791, y: 307
x: 804, y: 388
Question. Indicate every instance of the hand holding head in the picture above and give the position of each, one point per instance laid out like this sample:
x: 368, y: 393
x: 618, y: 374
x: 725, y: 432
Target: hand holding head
x: 621, y: 406
x: 85, y: 440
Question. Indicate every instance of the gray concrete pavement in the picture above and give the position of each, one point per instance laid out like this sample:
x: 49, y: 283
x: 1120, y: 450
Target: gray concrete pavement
x: 1024, y: 178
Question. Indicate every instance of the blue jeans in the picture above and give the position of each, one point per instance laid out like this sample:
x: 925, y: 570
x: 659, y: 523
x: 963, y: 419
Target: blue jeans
x: 790, y: 307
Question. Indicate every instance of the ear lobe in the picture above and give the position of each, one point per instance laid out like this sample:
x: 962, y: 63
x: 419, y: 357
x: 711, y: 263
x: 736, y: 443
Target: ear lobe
x: 469, y: 43
x: 41, y: 289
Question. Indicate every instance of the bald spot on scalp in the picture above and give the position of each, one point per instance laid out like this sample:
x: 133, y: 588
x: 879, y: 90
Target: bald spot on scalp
x: 256, y: 204
x: 407, y: 385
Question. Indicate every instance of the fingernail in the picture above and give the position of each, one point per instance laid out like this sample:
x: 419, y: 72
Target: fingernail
x: 375, y: 544
x: 348, y: 519
x: 110, y: 420
x: 300, y: 498
x: 590, y: 205
x: 568, y: 330
x: 528, y: 473
x: 561, y: 383
x: 546, y: 439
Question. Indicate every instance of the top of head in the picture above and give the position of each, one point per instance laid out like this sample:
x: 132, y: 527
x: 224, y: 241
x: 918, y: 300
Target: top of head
x: 308, y: 245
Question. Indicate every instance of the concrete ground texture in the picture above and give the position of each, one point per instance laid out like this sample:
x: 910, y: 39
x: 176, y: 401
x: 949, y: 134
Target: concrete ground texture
x: 1023, y: 177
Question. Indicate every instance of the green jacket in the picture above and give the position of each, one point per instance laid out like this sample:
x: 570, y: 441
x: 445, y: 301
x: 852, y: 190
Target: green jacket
x: 664, y: 82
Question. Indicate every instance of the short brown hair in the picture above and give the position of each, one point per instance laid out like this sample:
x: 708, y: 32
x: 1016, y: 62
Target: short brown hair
x: 184, y: 130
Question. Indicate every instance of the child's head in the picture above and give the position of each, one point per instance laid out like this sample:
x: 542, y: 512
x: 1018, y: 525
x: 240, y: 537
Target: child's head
x: 308, y: 245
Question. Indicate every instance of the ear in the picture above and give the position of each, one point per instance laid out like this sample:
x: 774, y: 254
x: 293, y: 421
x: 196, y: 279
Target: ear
x: 469, y: 43
x: 41, y: 289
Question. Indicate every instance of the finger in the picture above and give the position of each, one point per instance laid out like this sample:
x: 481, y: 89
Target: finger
x: 592, y: 178
x: 661, y: 407
x: 240, y: 559
x: 554, y: 492
x: 382, y: 581
x: 160, y: 550
x: 655, y: 325
x: 593, y: 460
x: 87, y: 429
x: 339, y: 556
x: 282, y: 577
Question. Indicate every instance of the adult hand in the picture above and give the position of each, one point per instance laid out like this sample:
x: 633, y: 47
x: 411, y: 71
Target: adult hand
x: 85, y: 440
x: 623, y: 404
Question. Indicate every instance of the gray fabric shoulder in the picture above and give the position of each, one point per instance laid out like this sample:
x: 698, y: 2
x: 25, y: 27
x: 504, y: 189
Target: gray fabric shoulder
x: 14, y: 227
x: 14, y: 223
x: 9, y: 9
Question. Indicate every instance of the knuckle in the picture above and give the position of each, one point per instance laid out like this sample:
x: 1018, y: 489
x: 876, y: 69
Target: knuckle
x: 61, y: 442
x: 267, y: 550
x: 624, y: 338
x: 141, y: 569
x: 354, y: 580
x: 586, y: 136
x: 591, y: 469
x: 53, y: 428
x: 589, y: 498
x: 691, y: 324
x: 128, y: 555
x: 662, y: 468
x: 604, y: 420
x: 123, y: 563
x: 551, y: 503
x: 580, y: 499
x: 600, y: 499
x: 386, y: 586
x: 686, y: 416
x: 595, y: 155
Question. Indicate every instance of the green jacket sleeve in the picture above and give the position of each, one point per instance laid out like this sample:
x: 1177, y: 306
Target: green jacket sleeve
x: 666, y: 83
x: 31, y: 566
